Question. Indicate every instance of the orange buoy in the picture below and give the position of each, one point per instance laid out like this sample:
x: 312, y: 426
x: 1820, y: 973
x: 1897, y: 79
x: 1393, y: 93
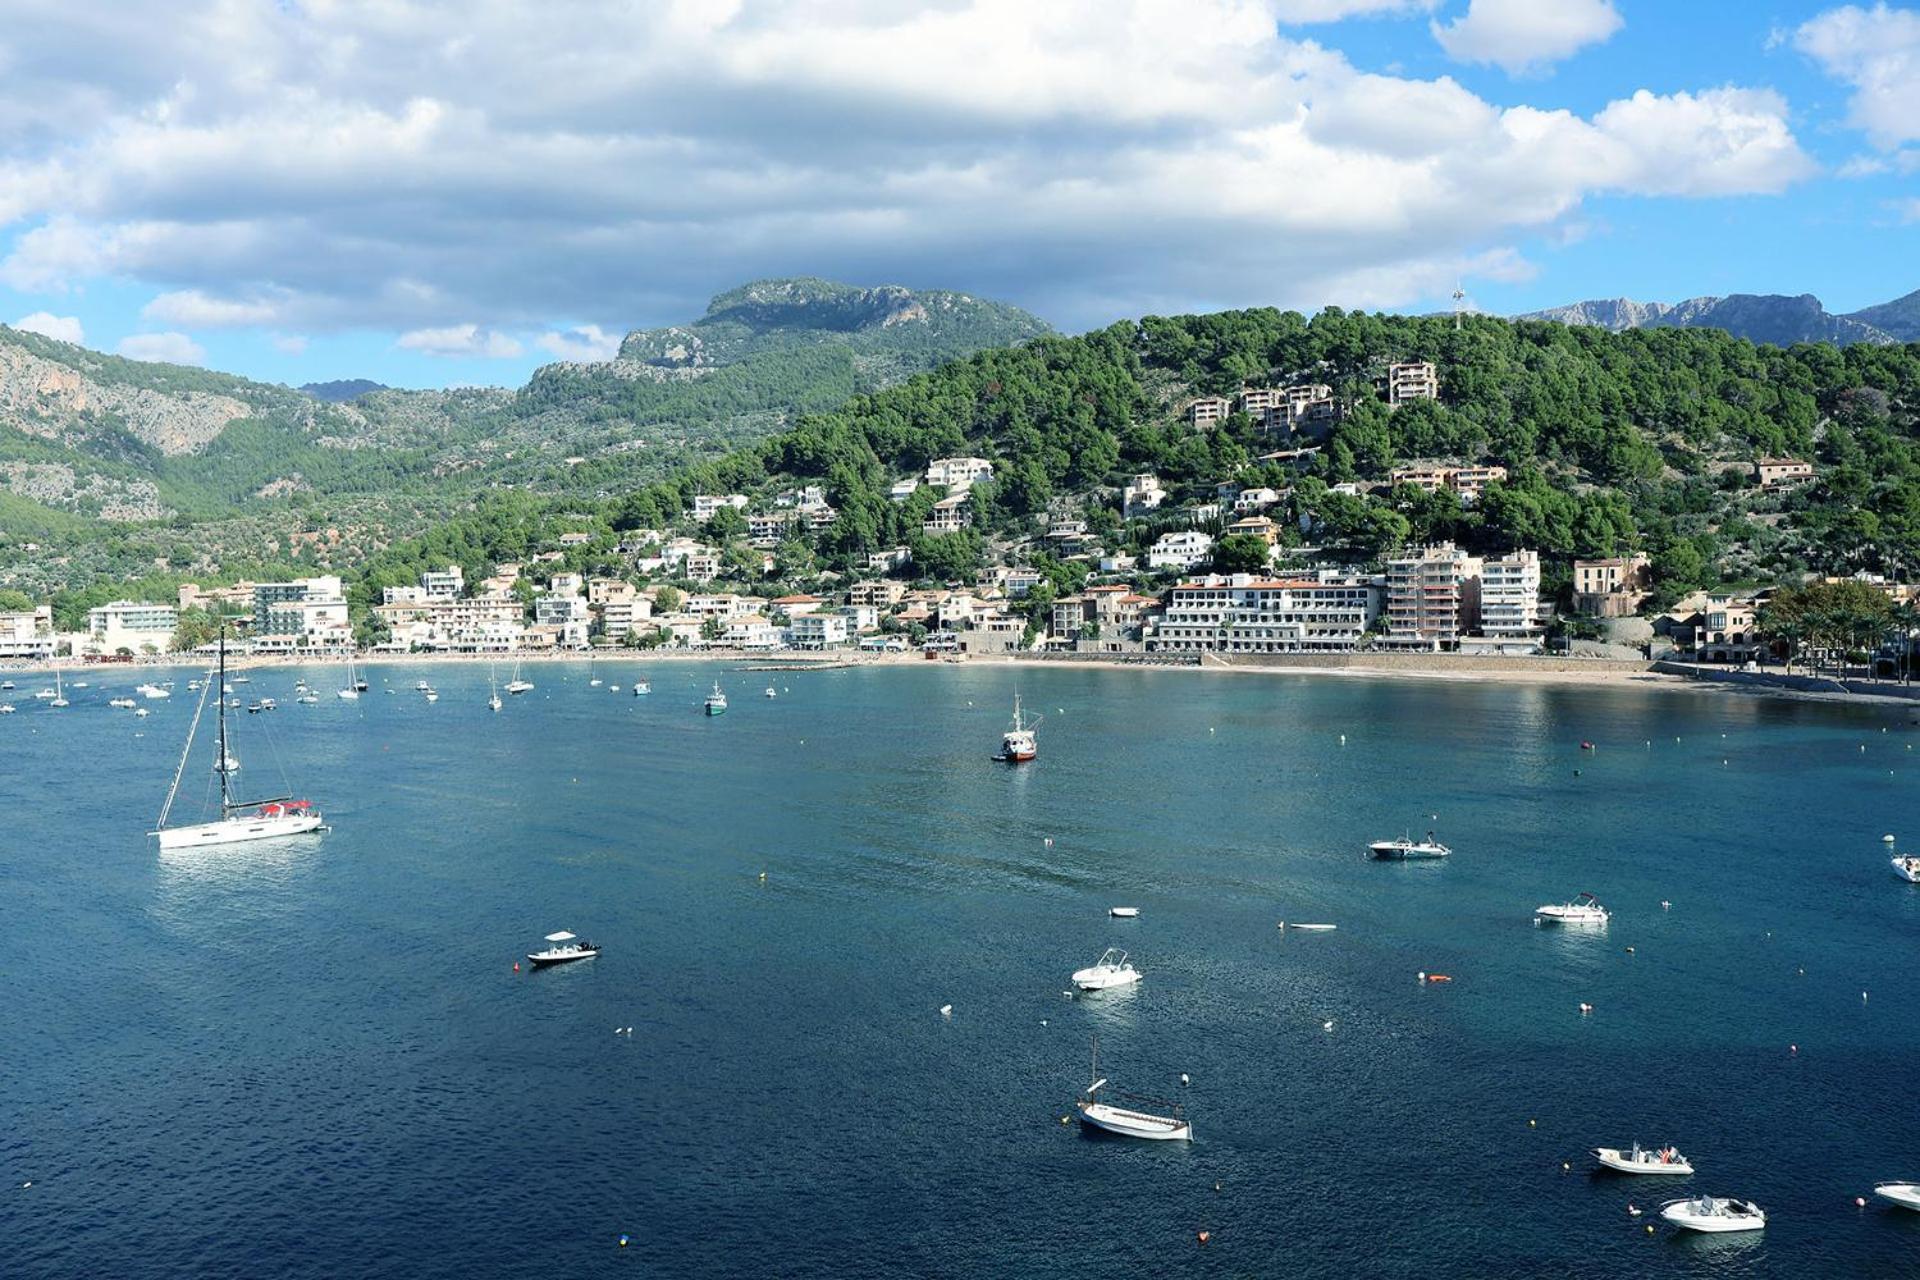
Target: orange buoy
x: 516, y: 966
x: 1204, y: 1236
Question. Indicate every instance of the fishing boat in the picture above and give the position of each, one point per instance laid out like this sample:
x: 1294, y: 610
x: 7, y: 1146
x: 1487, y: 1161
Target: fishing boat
x: 1585, y: 909
x: 1017, y: 744
x: 1907, y: 868
x: 239, y: 819
x: 1130, y: 1121
x: 308, y: 696
x: 1639, y: 1159
x: 1112, y: 969
x: 517, y: 685
x: 562, y: 948
x: 716, y: 703
x: 1714, y: 1213
x: 44, y: 695
x: 1904, y: 1194
x: 433, y: 695
x: 1407, y: 849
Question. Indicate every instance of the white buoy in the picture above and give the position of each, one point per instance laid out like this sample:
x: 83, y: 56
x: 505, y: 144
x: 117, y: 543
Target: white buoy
x: 1183, y: 1077
x: 1585, y: 1007
x: 1665, y: 905
x: 1327, y: 1025
x: 946, y: 1011
x: 1343, y: 739
x: 1887, y: 839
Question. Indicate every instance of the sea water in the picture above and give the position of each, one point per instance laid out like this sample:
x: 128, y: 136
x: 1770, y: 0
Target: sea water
x: 316, y: 1059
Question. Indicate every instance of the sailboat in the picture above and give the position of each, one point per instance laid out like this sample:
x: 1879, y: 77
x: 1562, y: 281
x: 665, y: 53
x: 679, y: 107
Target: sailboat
x: 493, y: 689
x: 353, y: 686
x: 59, y: 691
x: 239, y: 819
x: 517, y: 685
x: 593, y: 681
x: 1017, y: 745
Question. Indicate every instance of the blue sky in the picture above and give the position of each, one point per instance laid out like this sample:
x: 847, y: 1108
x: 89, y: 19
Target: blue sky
x: 429, y: 195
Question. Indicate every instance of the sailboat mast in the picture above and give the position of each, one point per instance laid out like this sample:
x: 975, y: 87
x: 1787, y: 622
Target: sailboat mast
x: 186, y: 752
x: 226, y: 795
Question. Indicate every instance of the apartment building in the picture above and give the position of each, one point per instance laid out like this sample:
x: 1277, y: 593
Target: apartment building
x: 890, y: 560
x: 1208, y: 410
x: 1433, y: 597
x: 1414, y: 380
x: 621, y: 618
x: 1470, y: 482
x: 1256, y: 401
x: 1328, y: 612
x: 133, y: 625
x: 27, y: 633
x: 819, y: 631
x: 1510, y: 597
x: 567, y: 615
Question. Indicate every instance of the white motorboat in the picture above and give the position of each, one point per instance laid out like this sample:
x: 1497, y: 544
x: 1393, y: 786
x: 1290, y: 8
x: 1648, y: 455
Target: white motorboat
x: 421, y: 686
x: 641, y: 688
x: 1907, y: 868
x: 125, y: 704
x: 1639, y: 1159
x: 6, y: 708
x: 142, y: 712
x: 1130, y: 1121
x: 772, y: 692
x: 153, y: 691
x: 1017, y: 744
x: 1123, y: 913
x: 6, y: 684
x: 308, y: 696
x: 1904, y: 1194
x: 44, y: 695
x: 1407, y: 849
x: 1309, y: 928
x: 1112, y: 970
x: 239, y: 819
x: 79, y: 684
x: 1585, y: 909
x: 433, y: 695
x: 563, y: 947
x: 1714, y: 1213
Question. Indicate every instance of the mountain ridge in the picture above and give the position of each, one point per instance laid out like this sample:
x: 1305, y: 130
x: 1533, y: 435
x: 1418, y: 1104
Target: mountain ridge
x: 1779, y: 319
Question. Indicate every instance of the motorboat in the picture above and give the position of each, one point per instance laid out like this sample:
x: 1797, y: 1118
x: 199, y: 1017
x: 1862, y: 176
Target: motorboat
x: 6, y: 708
x: 1112, y: 969
x: 772, y: 692
x: 125, y: 704
x: 421, y: 686
x: 79, y: 684
x: 1130, y: 1121
x: 6, y: 684
x: 239, y: 820
x: 1714, y: 1213
x: 433, y: 695
x: 153, y: 691
x: 1639, y: 1159
x: 1123, y: 913
x: 1907, y: 868
x: 1585, y: 909
x: 308, y: 696
x: 139, y: 711
x: 1407, y: 849
x: 268, y: 704
x: 641, y: 688
x: 563, y: 948
x: 1017, y: 744
x: 1904, y: 1194
x: 44, y: 695
x: 716, y: 703
x: 1309, y: 928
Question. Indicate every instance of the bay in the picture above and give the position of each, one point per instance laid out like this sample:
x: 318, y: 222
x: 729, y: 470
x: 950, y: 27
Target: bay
x: 316, y: 1058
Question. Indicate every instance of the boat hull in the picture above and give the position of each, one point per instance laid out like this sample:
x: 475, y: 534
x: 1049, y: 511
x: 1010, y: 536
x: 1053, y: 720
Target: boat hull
x: 1559, y: 915
x: 1389, y: 852
x: 1907, y: 869
x: 1683, y: 1216
x: 1904, y: 1194
x: 1105, y: 980
x: 239, y: 830
x: 1134, y: 1124
x: 543, y: 960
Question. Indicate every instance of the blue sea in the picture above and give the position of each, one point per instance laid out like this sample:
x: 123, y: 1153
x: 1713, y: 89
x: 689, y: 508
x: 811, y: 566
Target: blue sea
x: 316, y: 1058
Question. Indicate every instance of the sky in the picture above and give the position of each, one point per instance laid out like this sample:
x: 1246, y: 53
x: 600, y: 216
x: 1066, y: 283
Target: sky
x: 440, y: 194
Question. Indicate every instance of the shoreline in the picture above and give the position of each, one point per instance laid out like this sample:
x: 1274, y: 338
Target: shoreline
x: 1570, y: 673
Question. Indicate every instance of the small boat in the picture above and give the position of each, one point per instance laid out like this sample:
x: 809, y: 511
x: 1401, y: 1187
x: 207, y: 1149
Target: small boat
x: 243, y: 679
x: 433, y: 695
x: 716, y: 703
x: 59, y: 698
x: 6, y: 708
x: 641, y: 688
x: 1585, y: 909
x: 421, y: 686
x: 79, y: 684
x: 1017, y: 744
x: 1123, y: 913
x: 1112, y: 969
x: 139, y: 711
x: 1907, y: 868
x: 1130, y: 1122
x: 354, y: 686
x: 1407, y: 849
x: 153, y: 691
x: 268, y: 704
x: 6, y: 684
x: 308, y: 696
x: 1714, y: 1213
x: 44, y: 695
x: 125, y: 704
x: 772, y: 692
x: 517, y: 685
x: 1310, y: 928
x: 1639, y: 1159
x: 563, y: 947
x: 225, y: 764
x: 1904, y: 1194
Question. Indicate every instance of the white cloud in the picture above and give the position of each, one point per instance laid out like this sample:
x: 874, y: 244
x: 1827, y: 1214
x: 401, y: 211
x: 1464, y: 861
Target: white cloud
x: 586, y: 343
x: 1908, y: 210
x: 194, y: 309
x: 292, y: 344
x: 170, y: 348
x: 59, y: 328
x: 1302, y: 12
x: 463, y: 341
x: 408, y: 167
x: 1526, y: 35
x: 1877, y: 52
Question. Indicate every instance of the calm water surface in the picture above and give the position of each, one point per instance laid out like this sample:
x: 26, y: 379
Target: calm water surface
x: 315, y: 1059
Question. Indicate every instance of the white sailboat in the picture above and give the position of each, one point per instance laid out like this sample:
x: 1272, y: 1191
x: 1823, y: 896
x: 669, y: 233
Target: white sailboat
x: 493, y: 689
x: 517, y: 685
x: 59, y: 692
x: 352, y: 688
x: 239, y: 819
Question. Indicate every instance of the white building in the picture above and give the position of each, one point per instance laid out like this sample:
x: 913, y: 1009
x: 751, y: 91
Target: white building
x: 1182, y: 550
x: 949, y: 515
x: 621, y: 618
x: 705, y: 505
x: 1510, y: 597
x: 132, y: 625
x: 903, y: 489
x: 819, y: 631
x: 861, y: 617
x: 958, y: 473
x: 403, y: 595
x: 1251, y: 500
x: 1433, y: 596
x: 1142, y: 494
x: 27, y: 634
x: 1329, y: 612
x: 443, y: 584
x: 569, y: 614
x: 1415, y: 380
x: 889, y: 560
